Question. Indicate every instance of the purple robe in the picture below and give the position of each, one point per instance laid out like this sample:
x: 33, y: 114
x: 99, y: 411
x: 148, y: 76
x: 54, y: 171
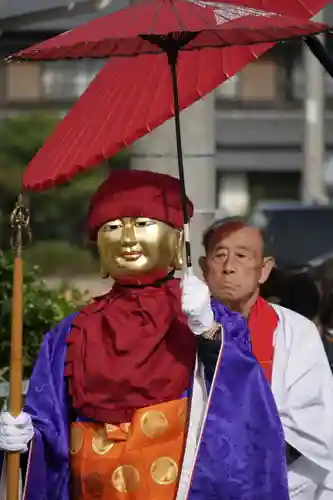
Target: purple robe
x: 241, y: 455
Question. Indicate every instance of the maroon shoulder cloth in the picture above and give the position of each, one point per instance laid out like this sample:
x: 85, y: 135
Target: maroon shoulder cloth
x: 129, y: 349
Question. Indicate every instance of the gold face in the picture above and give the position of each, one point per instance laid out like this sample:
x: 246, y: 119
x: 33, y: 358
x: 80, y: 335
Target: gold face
x: 137, y: 245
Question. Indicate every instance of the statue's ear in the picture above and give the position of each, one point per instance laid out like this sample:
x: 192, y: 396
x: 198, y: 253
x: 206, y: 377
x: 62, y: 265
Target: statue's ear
x: 103, y: 273
x: 178, y: 261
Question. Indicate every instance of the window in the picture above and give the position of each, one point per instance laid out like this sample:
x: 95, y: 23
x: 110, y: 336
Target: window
x: 259, y: 81
x: 63, y: 80
x: 22, y: 82
x: 266, y: 82
x: 273, y: 186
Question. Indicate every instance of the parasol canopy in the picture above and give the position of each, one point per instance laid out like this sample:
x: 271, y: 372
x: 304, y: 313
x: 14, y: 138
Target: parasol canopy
x: 127, y: 100
x: 130, y: 97
x: 150, y: 26
x: 170, y: 26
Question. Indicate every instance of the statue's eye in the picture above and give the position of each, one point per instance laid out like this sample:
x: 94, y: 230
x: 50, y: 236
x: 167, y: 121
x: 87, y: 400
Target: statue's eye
x: 144, y: 222
x: 110, y: 227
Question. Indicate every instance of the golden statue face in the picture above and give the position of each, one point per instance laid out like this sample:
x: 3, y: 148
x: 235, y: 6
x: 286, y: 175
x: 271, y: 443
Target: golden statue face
x: 137, y: 245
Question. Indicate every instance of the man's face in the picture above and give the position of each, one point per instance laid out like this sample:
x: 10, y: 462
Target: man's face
x: 234, y: 266
x: 137, y: 245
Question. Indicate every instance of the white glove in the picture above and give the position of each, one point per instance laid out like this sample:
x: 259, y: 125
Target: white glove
x: 15, y: 432
x: 196, y: 304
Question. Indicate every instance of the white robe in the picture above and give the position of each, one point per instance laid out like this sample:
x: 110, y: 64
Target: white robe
x: 302, y: 385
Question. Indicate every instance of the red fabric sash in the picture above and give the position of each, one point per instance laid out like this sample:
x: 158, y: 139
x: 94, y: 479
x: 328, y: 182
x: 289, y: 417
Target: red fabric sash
x: 129, y: 349
x: 263, y: 321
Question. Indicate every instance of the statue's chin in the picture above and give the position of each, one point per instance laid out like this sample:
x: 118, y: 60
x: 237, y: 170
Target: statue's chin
x: 130, y: 268
x: 143, y: 278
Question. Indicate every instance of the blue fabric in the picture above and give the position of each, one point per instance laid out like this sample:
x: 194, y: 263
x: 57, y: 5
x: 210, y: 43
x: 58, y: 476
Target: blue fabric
x: 242, y: 450
x: 47, y: 403
x: 241, y: 455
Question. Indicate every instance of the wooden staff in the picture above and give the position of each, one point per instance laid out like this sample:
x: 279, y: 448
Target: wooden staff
x: 20, y: 231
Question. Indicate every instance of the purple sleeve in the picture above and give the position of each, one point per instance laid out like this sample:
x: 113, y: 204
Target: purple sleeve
x: 241, y: 454
x: 48, y: 471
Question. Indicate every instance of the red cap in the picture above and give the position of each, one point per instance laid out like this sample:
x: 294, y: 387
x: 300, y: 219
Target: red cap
x: 137, y: 193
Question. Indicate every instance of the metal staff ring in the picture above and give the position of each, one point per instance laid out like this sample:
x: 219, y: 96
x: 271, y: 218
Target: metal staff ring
x: 20, y: 225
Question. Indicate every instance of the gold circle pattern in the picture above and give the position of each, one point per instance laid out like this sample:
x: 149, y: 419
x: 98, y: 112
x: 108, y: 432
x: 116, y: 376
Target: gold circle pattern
x: 164, y: 471
x: 125, y: 479
x: 100, y: 442
x: 154, y: 424
x: 76, y: 440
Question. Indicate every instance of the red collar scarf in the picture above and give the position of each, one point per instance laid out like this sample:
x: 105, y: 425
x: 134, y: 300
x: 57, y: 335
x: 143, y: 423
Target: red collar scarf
x: 129, y: 349
x: 263, y: 321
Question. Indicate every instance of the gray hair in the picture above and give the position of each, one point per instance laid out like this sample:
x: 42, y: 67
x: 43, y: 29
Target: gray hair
x: 220, y: 223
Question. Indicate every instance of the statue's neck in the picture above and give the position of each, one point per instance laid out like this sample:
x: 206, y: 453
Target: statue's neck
x: 144, y: 279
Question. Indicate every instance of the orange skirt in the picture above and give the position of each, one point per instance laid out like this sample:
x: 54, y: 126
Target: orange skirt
x: 140, y: 460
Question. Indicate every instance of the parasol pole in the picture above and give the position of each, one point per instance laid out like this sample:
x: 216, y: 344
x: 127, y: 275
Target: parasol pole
x: 172, y: 60
x: 20, y: 230
x: 171, y: 47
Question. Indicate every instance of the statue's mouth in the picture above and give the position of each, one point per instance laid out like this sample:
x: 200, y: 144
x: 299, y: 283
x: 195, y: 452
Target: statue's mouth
x: 131, y: 255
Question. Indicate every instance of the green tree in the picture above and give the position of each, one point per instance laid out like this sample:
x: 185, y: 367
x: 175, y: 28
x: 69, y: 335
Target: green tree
x: 43, y: 309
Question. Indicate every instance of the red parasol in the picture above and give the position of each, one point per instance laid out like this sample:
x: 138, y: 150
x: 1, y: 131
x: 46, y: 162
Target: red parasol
x: 121, y: 121
x: 169, y: 26
x: 165, y: 26
x: 133, y: 96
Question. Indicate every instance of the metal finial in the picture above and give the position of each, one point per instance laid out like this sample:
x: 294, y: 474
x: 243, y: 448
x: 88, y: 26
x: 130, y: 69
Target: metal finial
x: 20, y: 226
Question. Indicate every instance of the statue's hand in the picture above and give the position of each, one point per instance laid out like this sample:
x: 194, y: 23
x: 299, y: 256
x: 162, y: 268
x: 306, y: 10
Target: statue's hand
x: 196, y: 304
x: 15, y: 432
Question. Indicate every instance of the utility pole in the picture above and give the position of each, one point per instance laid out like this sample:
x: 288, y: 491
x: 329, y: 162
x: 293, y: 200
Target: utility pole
x: 314, y: 124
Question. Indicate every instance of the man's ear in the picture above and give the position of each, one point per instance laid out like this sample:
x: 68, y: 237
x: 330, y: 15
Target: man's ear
x: 268, y: 264
x: 203, y: 265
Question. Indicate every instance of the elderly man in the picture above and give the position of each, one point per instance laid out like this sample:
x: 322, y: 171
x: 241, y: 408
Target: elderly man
x: 287, y: 345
